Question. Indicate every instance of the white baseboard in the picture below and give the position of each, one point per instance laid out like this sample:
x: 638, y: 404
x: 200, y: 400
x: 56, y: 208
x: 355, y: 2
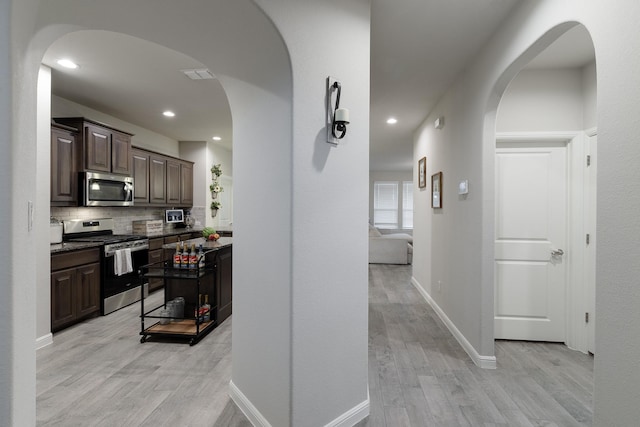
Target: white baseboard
x: 352, y: 416
x: 485, y: 362
x: 44, y: 341
x: 247, y: 408
x: 348, y: 419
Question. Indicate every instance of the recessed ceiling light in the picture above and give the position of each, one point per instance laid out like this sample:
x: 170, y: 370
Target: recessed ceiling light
x: 67, y: 63
x: 217, y: 138
x: 392, y: 121
x: 169, y: 114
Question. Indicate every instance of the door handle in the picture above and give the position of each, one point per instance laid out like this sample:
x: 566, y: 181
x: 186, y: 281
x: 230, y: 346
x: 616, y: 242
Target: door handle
x: 557, y: 252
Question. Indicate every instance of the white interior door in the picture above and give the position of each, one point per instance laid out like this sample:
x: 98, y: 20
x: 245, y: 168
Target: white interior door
x: 531, y: 222
x: 591, y: 203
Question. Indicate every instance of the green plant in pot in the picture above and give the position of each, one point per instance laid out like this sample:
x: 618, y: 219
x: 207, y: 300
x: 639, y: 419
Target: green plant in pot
x: 215, y: 205
x: 216, y: 171
x: 215, y: 188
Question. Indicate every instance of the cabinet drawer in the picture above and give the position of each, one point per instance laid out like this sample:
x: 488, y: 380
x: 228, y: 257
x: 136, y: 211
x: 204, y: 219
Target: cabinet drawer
x: 186, y: 236
x: 171, y: 239
x: 156, y: 243
x: 75, y: 258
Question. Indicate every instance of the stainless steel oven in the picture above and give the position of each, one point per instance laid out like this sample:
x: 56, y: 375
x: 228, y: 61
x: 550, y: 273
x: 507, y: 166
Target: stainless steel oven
x: 102, y: 189
x: 122, y: 289
x: 119, y: 286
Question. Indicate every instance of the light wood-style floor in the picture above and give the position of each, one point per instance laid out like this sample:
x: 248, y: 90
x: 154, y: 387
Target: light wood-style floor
x: 98, y: 374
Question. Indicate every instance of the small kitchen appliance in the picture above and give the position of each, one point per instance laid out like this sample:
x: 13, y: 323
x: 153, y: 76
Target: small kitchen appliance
x: 55, y: 230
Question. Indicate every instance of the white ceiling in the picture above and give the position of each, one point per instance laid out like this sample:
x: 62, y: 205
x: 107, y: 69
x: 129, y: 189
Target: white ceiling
x: 418, y: 47
x: 136, y: 80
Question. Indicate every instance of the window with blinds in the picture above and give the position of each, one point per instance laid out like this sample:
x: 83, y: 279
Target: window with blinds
x: 407, y: 205
x: 393, y: 204
x: 385, y: 204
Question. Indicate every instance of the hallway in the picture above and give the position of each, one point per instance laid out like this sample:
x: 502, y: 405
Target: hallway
x: 420, y: 376
x: 98, y: 374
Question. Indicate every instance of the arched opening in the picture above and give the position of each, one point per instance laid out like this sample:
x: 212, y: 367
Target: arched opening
x: 545, y: 121
x: 257, y: 79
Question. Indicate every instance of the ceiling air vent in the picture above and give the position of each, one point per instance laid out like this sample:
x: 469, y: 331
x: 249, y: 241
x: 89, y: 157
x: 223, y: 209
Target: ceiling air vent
x: 198, y: 74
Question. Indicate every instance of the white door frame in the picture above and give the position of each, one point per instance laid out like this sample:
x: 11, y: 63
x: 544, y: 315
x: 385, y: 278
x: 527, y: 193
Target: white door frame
x: 578, y: 273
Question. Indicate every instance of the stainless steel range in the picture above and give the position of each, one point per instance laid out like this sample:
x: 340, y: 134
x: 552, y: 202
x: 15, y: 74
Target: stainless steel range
x: 122, y: 256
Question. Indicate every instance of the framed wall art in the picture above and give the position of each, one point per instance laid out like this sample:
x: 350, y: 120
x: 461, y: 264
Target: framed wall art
x: 422, y: 172
x: 436, y: 190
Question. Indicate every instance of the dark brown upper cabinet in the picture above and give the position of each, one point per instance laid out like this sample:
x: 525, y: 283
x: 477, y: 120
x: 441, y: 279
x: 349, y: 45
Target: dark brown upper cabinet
x: 166, y: 181
x: 64, y: 172
x: 140, y: 173
x: 101, y: 148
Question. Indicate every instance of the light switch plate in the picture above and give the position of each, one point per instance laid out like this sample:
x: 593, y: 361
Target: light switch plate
x: 463, y: 187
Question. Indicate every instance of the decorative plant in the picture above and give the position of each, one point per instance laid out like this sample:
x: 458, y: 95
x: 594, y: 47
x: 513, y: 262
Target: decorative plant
x: 216, y: 170
x: 216, y: 188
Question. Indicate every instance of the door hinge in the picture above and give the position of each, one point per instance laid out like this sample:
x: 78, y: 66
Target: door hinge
x: 586, y: 317
x: 588, y: 160
x: 588, y: 238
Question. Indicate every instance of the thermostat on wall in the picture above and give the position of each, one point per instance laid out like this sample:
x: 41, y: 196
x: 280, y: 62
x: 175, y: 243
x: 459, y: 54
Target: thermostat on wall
x: 463, y: 187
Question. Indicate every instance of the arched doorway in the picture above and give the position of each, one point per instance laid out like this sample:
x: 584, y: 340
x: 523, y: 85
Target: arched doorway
x: 238, y: 42
x: 545, y: 218
x: 256, y: 75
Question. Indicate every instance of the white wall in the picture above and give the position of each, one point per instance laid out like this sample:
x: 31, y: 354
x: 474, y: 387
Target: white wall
x: 329, y: 276
x: 19, y: 161
x: 205, y: 154
x: 43, y: 199
x: 465, y: 227
x: 547, y: 100
x: 589, y: 97
x: 542, y: 100
x: 219, y: 155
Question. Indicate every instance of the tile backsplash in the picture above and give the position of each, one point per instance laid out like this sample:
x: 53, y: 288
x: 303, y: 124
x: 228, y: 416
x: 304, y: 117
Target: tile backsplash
x: 122, y: 217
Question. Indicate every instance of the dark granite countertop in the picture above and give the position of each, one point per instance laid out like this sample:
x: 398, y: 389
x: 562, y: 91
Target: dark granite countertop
x: 73, y: 246
x: 175, y: 231
x: 222, y: 242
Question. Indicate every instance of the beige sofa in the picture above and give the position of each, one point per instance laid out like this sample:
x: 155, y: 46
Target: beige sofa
x: 389, y: 248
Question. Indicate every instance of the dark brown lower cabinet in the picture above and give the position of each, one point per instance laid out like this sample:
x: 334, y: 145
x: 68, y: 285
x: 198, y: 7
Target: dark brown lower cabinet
x: 75, y: 287
x: 156, y: 254
x: 224, y: 283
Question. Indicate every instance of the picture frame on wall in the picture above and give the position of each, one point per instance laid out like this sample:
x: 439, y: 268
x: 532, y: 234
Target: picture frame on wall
x: 422, y: 172
x: 436, y: 190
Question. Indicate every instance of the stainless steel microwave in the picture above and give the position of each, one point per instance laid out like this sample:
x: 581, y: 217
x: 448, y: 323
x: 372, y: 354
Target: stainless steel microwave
x: 103, y: 189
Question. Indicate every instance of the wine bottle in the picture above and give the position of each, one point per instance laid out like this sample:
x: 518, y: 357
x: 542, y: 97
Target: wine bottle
x: 193, y: 257
x: 184, y: 260
x: 177, y: 257
x: 197, y: 312
x: 207, y: 309
x: 201, y: 257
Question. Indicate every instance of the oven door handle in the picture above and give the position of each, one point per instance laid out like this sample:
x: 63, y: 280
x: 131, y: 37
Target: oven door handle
x: 109, y: 254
